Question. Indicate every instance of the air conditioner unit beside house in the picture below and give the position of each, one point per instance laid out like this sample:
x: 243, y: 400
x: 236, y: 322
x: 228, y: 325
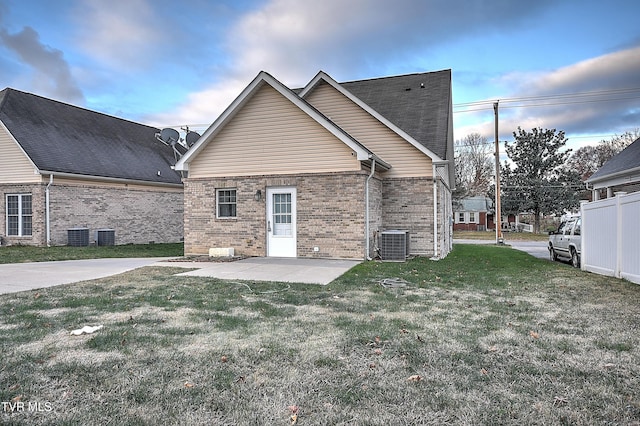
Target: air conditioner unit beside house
x: 78, y: 237
x: 105, y: 237
x: 394, y: 245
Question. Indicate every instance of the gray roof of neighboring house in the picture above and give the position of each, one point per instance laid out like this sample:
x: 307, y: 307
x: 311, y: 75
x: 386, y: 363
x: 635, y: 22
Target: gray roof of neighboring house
x: 474, y: 204
x: 419, y: 104
x: 63, y: 138
x: 626, y: 160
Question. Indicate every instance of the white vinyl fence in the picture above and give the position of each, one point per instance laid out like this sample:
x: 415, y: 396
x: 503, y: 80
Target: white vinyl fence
x: 611, y: 236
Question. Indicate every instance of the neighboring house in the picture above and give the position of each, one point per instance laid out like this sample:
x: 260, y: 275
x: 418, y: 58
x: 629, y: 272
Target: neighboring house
x: 620, y: 173
x: 64, y: 167
x: 610, y: 226
x: 473, y: 214
x: 323, y: 170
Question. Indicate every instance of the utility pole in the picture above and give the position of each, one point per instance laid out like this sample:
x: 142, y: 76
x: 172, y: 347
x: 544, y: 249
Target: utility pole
x: 498, y: 213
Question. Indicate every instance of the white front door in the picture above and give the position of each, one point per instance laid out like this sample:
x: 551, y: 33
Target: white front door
x: 281, y: 222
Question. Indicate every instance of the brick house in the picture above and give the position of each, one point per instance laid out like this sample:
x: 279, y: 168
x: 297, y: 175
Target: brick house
x: 64, y: 167
x: 473, y: 214
x: 322, y: 171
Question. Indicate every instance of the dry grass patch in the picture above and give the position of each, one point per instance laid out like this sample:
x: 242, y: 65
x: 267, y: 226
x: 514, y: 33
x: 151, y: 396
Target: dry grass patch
x: 487, y: 336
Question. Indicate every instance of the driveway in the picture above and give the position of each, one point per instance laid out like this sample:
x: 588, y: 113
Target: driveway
x: 537, y: 249
x: 29, y: 276
x: 534, y: 248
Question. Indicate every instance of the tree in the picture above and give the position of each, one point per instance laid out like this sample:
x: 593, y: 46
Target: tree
x: 539, y: 182
x: 473, y: 164
x: 588, y: 159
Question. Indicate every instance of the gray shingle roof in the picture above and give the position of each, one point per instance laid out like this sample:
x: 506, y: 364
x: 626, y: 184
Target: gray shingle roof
x: 62, y: 138
x: 627, y: 159
x: 477, y: 203
x: 419, y: 104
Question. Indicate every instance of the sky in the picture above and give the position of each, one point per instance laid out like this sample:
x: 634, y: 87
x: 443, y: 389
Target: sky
x: 571, y: 65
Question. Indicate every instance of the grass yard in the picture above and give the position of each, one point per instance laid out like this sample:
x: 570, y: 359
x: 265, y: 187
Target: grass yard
x: 489, y: 335
x: 20, y: 254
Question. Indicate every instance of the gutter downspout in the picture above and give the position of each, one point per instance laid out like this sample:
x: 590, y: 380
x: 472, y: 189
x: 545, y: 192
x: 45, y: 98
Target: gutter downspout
x: 366, y: 214
x: 435, y: 212
x: 47, y: 211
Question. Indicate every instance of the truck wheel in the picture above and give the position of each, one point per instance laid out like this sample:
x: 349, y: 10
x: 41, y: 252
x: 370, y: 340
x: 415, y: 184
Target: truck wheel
x: 575, y: 259
x: 553, y: 254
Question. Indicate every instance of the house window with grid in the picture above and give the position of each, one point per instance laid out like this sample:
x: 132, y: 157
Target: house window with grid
x: 472, y: 217
x: 19, y: 215
x: 460, y: 217
x: 226, y: 203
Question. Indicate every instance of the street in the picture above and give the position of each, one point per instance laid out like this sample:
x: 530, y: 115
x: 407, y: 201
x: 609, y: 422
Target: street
x: 534, y: 248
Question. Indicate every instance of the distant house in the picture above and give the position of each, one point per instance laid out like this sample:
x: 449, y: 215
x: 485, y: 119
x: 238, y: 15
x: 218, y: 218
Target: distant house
x: 326, y: 170
x: 610, y: 225
x: 620, y: 173
x: 67, y: 168
x: 473, y: 214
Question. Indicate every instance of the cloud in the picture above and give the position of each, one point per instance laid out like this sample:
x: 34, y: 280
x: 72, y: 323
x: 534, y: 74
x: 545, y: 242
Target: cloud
x: 589, y: 95
x: 51, y: 73
x: 292, y: 40
x: 122, y: 34
x: 581, y: 99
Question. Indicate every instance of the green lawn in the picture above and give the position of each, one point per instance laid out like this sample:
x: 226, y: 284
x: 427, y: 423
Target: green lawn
x: 19, y: 254
x: 489, y: 335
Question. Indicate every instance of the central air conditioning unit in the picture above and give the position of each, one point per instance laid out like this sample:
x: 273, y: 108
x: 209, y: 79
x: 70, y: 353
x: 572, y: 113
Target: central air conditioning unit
x: 78, y: 237
x: 394, y: 245
x: 105, y: 237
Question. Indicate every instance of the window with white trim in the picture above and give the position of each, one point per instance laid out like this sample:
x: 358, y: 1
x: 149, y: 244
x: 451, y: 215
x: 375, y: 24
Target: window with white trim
x: 460, y: 217
x: 19, y: 215
x: 472, y: 217
x: 226, y: 203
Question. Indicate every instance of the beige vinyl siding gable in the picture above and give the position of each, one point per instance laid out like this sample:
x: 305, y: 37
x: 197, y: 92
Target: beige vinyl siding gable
x: 15, y: 166
x: 405, y: 159
x: 271, y: 135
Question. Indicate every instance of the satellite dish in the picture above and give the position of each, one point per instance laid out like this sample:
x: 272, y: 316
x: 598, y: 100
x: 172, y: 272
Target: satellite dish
x: 191, y: 138
x: 169, y: 136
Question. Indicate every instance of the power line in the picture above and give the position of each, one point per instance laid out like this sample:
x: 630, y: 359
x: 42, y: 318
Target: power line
x: 559, y: 95
x: 464, y: 145
x: 573, y: 95
x: 557, y: 99
x: 572, y: 102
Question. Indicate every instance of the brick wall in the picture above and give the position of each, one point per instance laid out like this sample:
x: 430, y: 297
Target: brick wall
x: 38, y: 237
x: 137, y: 216
x: 202, y: 230
x: 330, y: 214
x: 407, y: 204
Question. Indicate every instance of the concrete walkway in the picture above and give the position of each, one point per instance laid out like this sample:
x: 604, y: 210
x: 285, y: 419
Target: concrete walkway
x: 281, y: 269
x: 29, y: 276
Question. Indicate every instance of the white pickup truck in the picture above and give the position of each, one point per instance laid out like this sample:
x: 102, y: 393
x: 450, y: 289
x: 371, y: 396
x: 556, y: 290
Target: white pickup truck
x: 566, y: 241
